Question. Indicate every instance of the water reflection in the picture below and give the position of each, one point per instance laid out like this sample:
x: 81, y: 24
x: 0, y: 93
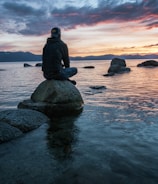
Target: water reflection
x: 61, y: 136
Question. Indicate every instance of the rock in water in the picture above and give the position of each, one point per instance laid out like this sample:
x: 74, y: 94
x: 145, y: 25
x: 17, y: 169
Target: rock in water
x: 149, y: 63
x: 117, y: 66
x: 55, y: 97
x: 118, y: 61
x: 27, y: 65
x: 23, y: 119
x: 16, y: 122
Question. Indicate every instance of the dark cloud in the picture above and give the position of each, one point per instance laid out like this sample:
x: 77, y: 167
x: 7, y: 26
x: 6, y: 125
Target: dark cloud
x: 152, y: 25
x: 38, y: 20
x: 106, y: 13
x: 23, y: 19
x: 153, y: 45
x: 20, y: 9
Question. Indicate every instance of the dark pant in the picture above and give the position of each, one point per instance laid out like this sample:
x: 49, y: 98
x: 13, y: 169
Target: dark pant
x: 69, y: 72
x: 64, y: 74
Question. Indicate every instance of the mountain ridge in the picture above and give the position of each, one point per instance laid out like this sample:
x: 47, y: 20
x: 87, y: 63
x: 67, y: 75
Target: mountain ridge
x: 28, y: 56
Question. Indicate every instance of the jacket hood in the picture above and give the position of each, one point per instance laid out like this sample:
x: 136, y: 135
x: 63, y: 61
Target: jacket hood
x: 53, y: 40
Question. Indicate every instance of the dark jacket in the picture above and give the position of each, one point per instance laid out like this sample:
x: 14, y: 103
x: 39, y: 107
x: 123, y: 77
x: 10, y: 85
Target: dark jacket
x: 55, y: 56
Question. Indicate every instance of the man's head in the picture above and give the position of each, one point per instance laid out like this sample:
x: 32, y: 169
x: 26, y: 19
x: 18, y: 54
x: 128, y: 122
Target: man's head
x: 55, y: 32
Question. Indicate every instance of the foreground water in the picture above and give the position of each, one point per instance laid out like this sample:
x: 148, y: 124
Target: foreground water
x: 114, y: 139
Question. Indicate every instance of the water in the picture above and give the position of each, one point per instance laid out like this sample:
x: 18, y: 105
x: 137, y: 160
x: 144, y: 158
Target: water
x: 114, y: 139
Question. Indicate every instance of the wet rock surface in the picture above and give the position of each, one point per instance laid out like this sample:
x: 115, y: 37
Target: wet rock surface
x: 54, y: 97
x: 13, y: 123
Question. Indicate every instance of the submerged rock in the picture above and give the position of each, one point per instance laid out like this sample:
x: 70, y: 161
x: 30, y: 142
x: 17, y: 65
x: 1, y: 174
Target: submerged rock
x: 98, y: 87
x: 149, y: 63
x: 13, y: 123
x: 38, y: 65
x: 117, y: 66
x: 27, y: 65
x: 54, y: 97
x: 89, y: 67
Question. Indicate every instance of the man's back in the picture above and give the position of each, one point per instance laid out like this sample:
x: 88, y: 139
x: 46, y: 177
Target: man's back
x: 54, y: 52
x: 56, y: 63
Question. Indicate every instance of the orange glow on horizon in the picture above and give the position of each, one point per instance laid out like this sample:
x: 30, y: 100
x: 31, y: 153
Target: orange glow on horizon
x: 116, y: 39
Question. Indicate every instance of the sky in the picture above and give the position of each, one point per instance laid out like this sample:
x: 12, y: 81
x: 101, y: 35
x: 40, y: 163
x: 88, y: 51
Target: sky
x: 88, y: 27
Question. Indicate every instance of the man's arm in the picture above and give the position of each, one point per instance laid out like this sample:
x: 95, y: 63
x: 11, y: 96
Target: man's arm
x: 65, y: 54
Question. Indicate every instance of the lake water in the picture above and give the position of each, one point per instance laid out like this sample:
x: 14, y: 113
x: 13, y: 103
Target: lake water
x: 114, y: 139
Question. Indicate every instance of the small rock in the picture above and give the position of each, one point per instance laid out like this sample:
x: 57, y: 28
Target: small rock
x: 27, y: 65
x: 90, y: 67
x: 38, y: 64
x: 149, y: 63
x: 98, y: 87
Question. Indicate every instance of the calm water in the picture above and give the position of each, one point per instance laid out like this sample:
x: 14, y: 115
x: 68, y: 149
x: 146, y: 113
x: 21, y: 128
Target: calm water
x: 114, y: 139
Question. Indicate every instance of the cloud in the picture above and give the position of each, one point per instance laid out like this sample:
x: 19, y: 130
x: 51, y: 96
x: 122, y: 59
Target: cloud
x: 27, y: 18
x: 152, y: 45
x: 21, y: 9
x: 154, y: 24
x: 6, y: 46
x: 71, y: 17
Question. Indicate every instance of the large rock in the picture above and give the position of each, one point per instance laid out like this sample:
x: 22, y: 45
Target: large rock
x: 118, y: 61
x: 13, y: 123
x: 149, y: 63
x: 54, y: 97
x: 117, y: 66
x: 8, y: 132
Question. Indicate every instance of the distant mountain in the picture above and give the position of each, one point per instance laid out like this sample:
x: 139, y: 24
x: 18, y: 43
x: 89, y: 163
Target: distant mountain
x: 18, y: 56
x: 110, y: 56
x: 28, y: 56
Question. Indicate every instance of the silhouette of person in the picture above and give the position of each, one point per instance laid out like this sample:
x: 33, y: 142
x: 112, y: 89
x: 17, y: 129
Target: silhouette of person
x: 55, y: 58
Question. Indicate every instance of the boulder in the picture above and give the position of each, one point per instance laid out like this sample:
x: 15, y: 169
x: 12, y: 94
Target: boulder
x: 149, y: 63
x: 118, y: 61
x: 54, y: 97
x: 117, y: 66
x: 16, y: 122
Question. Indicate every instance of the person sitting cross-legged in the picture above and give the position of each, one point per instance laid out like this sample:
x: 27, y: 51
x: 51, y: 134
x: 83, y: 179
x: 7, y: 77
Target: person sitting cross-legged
x: 55, y: 58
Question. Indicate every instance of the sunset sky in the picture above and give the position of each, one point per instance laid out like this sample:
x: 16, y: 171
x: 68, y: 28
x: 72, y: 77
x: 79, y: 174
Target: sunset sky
x: 89, y: 27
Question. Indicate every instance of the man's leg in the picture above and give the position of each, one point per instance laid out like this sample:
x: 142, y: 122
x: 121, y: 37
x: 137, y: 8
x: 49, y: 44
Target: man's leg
x: 69, y: 72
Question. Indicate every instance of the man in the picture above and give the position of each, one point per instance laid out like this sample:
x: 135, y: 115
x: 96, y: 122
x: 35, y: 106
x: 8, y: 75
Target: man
x: 56, y: 63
